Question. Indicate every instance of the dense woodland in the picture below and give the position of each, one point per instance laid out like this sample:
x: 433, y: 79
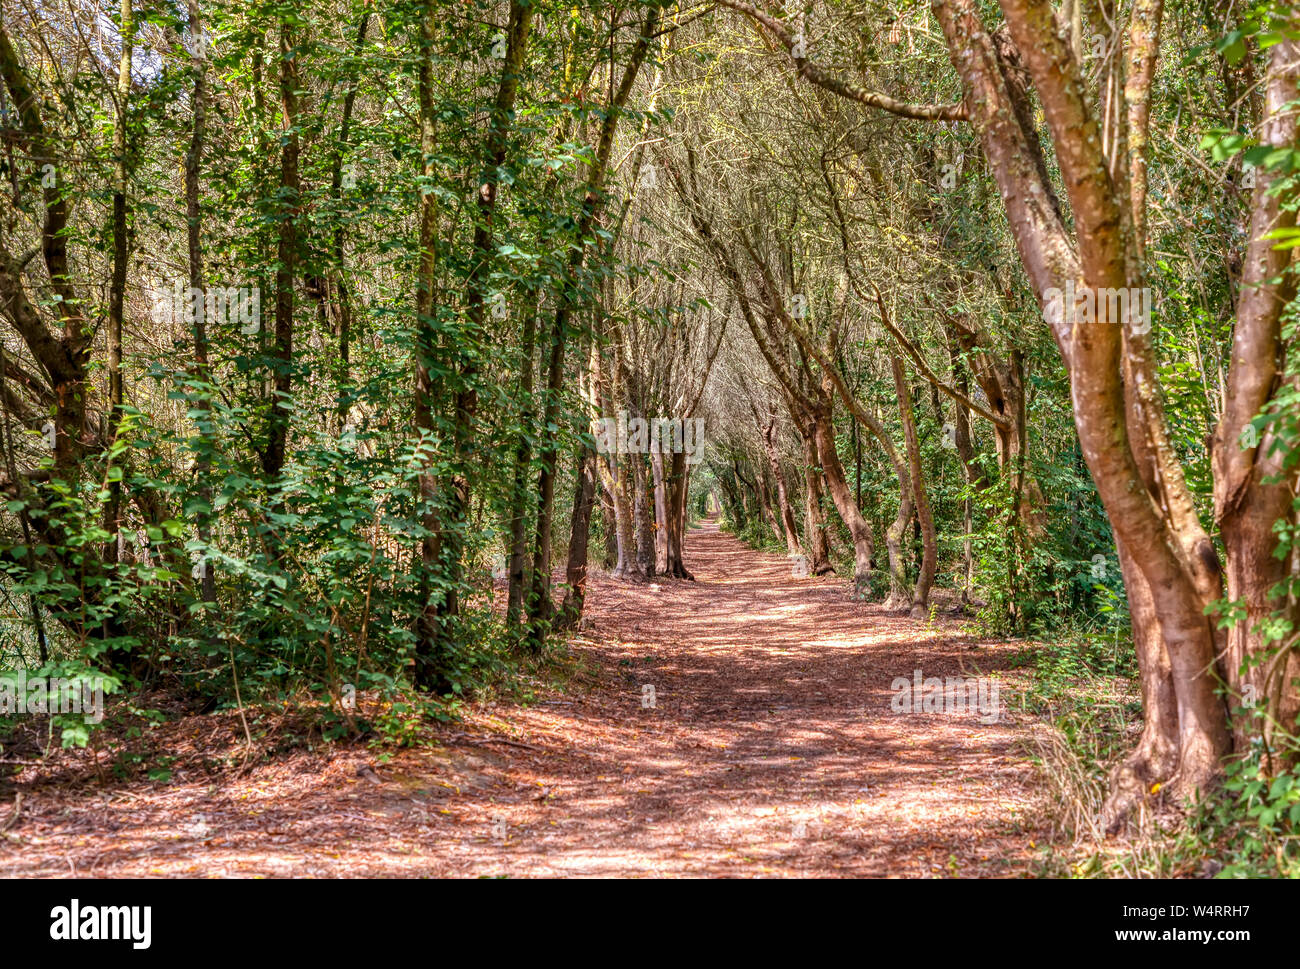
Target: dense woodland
x: 340, y: 341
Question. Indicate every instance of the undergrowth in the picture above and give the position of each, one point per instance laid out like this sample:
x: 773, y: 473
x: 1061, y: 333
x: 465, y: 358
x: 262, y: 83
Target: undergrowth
x: 1084, y: 689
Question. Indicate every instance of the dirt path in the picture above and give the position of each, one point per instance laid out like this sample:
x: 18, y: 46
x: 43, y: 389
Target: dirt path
x: 770, y: 749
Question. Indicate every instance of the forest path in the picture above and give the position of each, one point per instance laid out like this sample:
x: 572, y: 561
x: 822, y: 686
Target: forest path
x: 770, y: 750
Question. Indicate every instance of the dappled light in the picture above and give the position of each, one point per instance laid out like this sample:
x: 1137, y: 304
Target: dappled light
x: 649, y: 438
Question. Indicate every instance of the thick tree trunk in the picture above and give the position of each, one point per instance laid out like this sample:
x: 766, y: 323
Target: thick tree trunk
x: 575, y: 574
x: 1252, y: 490
x: 823, y: 431
x: 64, y: 357
x: 1155, y: 758
x: 1092, y: 354
x: 815, y: 541
x: 677, y: 486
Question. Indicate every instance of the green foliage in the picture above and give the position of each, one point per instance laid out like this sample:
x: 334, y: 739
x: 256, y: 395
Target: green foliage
x: 322, y: 573
x: 1083, y: 685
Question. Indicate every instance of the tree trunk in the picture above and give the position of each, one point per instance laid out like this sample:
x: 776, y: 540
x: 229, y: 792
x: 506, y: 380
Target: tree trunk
x: 661, y: 512
x: 194, y: 245
x: 1092, y: 352
x: 929, y: 545
x: 575, y: 575
x: 677, y: 486
x: 819, y: 551
x: 610, y: 557
x: 457, y: 490
x: 519, y: 495
x: 788, y: 530
x: 286, y: 262
x: 430, y: 666
x: 643, y: 515
x: 117, y: 283
x: 823, y: 430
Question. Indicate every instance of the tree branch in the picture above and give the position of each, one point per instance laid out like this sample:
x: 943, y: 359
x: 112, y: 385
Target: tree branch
x: 845, y: 89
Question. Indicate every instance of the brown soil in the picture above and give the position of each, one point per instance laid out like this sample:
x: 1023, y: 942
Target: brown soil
x: 770, y: 749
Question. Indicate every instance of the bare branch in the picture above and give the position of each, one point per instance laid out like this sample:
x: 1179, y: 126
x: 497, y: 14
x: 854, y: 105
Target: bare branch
x: 845, y: 89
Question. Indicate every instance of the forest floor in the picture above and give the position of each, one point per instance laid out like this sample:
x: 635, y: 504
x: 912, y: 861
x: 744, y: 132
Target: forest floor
x: 769, y: 749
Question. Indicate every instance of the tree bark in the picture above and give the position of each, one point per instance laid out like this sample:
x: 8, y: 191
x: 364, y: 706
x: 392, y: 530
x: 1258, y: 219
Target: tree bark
x: 430, y: 669
x: 575, y: 575
x: 660, y: 512
x: 194, y: 248
x: 483, y: 260
x: 273, y: 457
x: 788, y: 529
x: 819, y: 550
x: 117, y: 284
x: 675, y: 523
x: 519, y: 494
x: 822, y: 428
x: 929, y: 546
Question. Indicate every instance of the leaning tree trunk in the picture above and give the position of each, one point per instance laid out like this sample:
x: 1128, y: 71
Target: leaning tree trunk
x: 789, y: 530
x: 765, y: 501
x: 1093, y: 352
x: 823, y: 431
x: 818, y: 548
